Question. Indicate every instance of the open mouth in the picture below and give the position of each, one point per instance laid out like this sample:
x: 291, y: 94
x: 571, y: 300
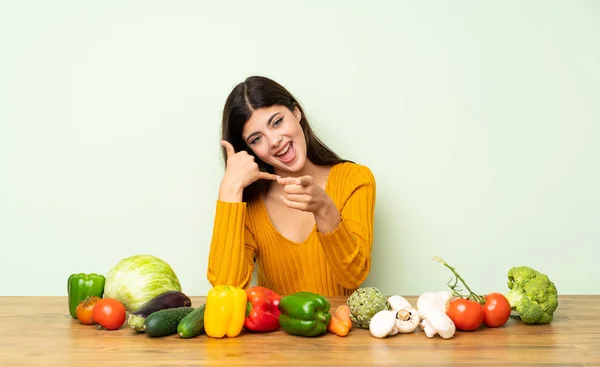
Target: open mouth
x: 287, y: 154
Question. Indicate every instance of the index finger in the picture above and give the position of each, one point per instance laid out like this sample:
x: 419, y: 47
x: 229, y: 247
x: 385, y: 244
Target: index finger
x: 228, y: 148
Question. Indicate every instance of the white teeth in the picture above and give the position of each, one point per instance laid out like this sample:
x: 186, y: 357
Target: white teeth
x: 284, y: 150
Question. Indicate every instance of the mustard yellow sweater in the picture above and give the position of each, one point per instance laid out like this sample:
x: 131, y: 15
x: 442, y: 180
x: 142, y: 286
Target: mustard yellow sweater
x: 329, y: 264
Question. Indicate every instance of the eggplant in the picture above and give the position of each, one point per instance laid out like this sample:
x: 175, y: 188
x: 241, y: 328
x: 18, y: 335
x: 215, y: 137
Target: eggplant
x: 169, y: 299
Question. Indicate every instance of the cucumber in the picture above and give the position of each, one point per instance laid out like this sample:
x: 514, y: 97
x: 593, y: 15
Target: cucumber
x: 164, y: 322
x: 192, y: 324
x: 169, y: 299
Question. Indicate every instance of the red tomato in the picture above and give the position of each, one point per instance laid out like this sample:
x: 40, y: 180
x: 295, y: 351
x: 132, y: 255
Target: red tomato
x: 109, y: 313
x: 496, y: 310
x: 467, y: 315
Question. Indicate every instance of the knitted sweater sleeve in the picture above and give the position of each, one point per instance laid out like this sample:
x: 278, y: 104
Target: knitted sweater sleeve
x: 348, y: 248
x: 232, y: 248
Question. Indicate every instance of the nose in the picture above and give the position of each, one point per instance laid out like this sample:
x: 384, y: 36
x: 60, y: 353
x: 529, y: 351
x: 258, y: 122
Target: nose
x: 276, y: 140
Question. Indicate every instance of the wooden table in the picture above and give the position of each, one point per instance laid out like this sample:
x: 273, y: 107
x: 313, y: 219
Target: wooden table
x: 38, y: 331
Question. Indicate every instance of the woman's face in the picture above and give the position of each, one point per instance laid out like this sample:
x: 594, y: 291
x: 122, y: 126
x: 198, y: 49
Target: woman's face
x: 274, y: 134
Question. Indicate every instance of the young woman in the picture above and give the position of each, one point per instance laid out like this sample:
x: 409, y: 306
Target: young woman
x: 287, y: 202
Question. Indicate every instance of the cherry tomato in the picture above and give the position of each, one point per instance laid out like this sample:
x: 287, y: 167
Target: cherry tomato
x: 496, y: 310
x: 84, y: 310
x: 109, y: 313
x: 467, y: 315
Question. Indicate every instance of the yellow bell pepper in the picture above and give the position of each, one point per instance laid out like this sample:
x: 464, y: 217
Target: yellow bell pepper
x: 225, y: 311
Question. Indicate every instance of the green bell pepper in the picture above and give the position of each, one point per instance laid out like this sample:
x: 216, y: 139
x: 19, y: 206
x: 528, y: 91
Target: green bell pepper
x: 80, y: 286
x: 304, y: 314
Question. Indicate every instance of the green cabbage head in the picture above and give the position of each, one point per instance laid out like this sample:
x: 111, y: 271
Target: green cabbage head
x: 139, y: 278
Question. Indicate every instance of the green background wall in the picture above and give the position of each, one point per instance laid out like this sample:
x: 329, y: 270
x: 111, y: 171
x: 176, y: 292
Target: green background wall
x: 480, y: 121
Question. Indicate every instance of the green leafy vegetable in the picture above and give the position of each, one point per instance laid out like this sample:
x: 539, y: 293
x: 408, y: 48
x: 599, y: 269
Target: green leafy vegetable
x: 137, y: 279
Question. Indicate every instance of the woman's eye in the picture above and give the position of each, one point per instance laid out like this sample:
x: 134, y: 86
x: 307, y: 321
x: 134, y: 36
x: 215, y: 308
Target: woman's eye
x: 255, y: 140
x: 278, y: 122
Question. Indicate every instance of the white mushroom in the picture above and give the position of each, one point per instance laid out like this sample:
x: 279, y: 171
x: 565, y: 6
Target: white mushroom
x: 383, y: 324
x: 435, y: 321
x: 407, y: 317
x: 434, y: 299
x: 407, y: 320
x: 446, y: 296
x: 398, y: 303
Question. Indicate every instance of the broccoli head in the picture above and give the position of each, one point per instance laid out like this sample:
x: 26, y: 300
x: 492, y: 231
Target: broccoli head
x: 532, y: 294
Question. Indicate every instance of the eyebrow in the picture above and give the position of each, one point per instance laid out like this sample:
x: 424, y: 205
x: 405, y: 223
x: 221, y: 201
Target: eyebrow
x: 269, y: 121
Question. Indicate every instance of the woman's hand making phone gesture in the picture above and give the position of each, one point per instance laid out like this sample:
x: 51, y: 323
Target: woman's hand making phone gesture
x: 241, y: 171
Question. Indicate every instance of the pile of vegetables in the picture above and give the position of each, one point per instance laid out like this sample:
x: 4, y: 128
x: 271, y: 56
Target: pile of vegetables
x: 143, y: 286
x: 144, y: 292
x: 87, y: 305
x: 533, y: 298
x: 469, y: 312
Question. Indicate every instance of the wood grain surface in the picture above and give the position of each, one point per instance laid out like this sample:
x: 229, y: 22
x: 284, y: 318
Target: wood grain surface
x: 38, y: 331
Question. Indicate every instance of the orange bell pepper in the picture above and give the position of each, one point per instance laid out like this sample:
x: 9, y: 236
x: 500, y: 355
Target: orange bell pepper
x: 225, y: 311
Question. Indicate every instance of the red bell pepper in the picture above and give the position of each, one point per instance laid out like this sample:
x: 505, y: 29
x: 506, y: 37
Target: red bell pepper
x: 262, y: 309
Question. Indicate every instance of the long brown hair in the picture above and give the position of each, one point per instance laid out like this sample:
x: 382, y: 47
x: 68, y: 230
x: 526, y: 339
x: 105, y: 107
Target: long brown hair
x: 258, y: 92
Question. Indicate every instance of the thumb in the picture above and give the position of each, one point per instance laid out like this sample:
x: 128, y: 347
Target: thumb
x: 228, y: 148
x: 306, y: 180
